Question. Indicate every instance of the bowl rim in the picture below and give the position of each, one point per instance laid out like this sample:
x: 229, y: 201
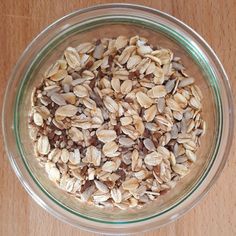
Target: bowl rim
x: 142, y: 8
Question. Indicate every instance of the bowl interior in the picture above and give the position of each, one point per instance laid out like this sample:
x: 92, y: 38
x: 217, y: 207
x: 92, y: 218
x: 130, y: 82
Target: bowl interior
x: 157, y: 35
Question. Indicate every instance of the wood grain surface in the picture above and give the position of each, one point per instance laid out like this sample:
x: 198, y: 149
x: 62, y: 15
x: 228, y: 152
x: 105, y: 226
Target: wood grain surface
x: 22, y: 20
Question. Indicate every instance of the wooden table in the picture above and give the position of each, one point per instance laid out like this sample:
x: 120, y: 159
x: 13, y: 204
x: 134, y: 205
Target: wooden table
x: 22, y: 20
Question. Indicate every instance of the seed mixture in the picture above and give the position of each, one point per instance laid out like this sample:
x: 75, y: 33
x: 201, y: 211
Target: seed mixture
x: 117, y: 122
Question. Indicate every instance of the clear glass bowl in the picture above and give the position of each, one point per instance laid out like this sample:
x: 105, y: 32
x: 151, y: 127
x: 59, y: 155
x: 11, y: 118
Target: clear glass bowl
x: 110, y: 21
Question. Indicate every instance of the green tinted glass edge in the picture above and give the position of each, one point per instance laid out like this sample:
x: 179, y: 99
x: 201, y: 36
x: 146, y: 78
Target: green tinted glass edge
x: 192, y: 50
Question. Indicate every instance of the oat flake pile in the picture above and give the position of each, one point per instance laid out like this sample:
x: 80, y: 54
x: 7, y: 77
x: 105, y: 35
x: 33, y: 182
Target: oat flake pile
x: 116, y: 122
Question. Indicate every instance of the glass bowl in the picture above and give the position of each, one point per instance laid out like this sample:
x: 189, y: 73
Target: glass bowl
x: 112, y: 20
